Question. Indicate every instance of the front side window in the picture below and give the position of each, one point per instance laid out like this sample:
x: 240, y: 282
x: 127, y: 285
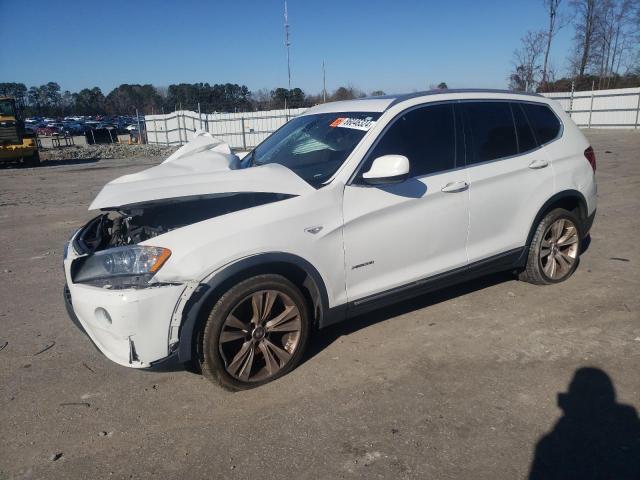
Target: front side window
x: 490, y: 131
x: 543, y: 121
x: 425, y: 135
x: 314, y: 146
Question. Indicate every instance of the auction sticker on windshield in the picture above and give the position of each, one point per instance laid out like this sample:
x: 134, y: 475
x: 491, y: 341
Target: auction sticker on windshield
x: 354, y: 123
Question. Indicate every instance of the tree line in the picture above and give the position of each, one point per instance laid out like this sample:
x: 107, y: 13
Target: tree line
x: 50, y: 100
x: 605, y: 51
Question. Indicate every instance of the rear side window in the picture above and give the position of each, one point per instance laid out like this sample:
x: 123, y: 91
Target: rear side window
x: 544, y: 122
x: 490, y: 131
x: 425, y: 135
x: 526, y: 140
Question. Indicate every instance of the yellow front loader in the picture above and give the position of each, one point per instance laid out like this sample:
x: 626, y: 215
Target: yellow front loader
x: 15, y: 143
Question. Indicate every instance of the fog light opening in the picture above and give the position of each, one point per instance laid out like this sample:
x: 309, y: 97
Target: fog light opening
x: 102, y: 316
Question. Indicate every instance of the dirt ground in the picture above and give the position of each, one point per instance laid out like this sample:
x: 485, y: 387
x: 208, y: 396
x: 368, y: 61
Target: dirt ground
x: 458, y: 384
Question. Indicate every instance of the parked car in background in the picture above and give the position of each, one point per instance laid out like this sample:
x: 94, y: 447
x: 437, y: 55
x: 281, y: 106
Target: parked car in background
x: 74, y: 128
x: 47, y: 131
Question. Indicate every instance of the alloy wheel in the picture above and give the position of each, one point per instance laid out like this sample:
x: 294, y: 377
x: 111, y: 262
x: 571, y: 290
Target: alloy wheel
x: 260, y: 335
x: 559, y: 249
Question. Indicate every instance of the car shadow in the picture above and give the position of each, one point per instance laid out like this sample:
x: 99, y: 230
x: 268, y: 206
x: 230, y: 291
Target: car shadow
x: 73, y: 161
x: 326, y: 336
x: 596, y: 438
x: 586, y: 243
x: 48, y: 163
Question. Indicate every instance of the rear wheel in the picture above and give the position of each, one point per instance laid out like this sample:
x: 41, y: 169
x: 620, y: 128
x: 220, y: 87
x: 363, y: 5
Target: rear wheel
x: 554, y: 250
x: 255, y: 333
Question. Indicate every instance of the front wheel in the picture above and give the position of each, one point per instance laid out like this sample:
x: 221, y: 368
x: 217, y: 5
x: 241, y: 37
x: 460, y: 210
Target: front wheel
x: 255, y: 333
x: 555, y: 249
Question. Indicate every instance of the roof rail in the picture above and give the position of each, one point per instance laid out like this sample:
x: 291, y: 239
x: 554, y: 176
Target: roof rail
x: 408, y: 96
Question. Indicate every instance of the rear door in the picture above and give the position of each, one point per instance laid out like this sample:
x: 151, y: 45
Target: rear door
x: 510, y: 176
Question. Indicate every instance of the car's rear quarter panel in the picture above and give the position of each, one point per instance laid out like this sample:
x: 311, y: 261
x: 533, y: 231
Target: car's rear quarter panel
x: 571, y: 169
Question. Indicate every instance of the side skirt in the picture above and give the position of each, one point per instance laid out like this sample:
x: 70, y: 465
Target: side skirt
x: 511, y: 259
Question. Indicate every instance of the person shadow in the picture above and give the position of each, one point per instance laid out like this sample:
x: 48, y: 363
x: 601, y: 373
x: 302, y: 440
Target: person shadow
x: 596, y: 438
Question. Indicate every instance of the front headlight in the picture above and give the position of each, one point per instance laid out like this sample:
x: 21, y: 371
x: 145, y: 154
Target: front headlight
x: 121, y: 267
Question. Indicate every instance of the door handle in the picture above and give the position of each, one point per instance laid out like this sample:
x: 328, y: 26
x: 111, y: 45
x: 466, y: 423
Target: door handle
x: 536, y: 164
x: 454, y: 187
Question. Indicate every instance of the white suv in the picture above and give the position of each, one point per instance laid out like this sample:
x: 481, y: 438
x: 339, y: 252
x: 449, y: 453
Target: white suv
x: 229, y: 264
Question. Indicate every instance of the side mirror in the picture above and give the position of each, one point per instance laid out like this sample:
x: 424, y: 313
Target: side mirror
x: 387, y: 169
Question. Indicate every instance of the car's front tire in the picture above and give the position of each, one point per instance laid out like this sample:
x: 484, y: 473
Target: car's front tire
x: 256, y: 332
x: 555, y: 249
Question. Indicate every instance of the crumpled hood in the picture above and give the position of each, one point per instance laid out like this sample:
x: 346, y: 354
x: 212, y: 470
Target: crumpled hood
x: 204, y: 166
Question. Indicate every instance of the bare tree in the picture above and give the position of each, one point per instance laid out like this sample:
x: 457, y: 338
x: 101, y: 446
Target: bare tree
x: 585, y: 14
x: 614, y: 38
x: 623, y: 38
x: 552, y: 7
x: 527, y: 69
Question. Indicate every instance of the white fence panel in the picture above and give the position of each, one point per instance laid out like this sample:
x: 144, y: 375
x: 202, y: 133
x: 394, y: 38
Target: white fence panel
x: 240, y: 130
x: 614, y: 108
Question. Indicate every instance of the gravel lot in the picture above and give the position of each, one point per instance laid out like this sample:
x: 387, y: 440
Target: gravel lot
x: 458, y: 384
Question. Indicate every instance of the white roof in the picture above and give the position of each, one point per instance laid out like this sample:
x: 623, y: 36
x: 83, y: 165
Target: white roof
x: 374, y: 104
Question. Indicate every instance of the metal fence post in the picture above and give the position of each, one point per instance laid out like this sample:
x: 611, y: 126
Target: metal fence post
x: 244, y: 136
x: 573, y: 85
x: 593, y: 84
x: 179, y: 130
x: 166, y: 128
x: 184, y: 124
x: 637, y: 110
x: 139, y: 129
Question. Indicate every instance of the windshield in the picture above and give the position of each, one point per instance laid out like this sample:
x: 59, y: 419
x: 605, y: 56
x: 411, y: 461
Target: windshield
x: 314, y: 146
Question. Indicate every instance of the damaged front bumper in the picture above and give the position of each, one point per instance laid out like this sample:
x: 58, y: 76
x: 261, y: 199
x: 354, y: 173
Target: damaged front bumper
x: 129, y: 326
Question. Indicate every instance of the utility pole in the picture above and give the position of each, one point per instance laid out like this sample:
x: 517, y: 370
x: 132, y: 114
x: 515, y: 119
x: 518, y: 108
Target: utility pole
x: 324, y: 84
x: 287, y: 44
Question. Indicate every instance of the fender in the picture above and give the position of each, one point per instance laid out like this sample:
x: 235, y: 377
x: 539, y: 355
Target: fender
x: 565, y: 194
x: 207, y: 291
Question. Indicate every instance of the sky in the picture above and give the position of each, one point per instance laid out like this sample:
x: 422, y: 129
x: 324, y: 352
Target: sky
x: 395, y: 45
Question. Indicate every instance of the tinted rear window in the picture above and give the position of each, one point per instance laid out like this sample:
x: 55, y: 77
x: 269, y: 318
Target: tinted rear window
x: 544, y: 122
x: 490, y: 131
x: 526, y: 140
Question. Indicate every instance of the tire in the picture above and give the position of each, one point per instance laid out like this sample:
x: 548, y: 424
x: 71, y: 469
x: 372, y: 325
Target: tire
x: 32, y: 160
x: 555, y: 249
x: 255, y: 333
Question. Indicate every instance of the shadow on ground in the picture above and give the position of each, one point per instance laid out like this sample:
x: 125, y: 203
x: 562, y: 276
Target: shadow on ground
x: 73, y: 161
x: 48, y: 163
x: 596, y: 438
x: 325, y: 337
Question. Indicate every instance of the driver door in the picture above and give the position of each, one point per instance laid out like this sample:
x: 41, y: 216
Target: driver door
x: 401, y: 233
